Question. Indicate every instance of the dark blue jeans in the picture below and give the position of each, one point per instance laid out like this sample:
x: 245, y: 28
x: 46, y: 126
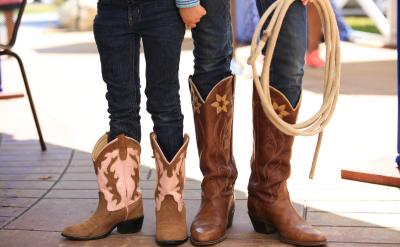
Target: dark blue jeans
x: 212, y: 45
x: 287, y: 66
x: 118, y: 30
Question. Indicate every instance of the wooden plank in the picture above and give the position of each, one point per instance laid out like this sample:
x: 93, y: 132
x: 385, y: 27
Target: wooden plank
x: 370, y: 178
x: 4, y: 95
x: 382, y: 171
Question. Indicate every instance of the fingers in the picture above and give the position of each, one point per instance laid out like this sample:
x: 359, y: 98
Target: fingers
x: 190, y: 26
x: 203, y: 11
x: 192, y: 16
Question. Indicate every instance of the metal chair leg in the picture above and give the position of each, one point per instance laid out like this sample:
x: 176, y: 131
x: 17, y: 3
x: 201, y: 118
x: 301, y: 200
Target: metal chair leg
x: 28, y: 92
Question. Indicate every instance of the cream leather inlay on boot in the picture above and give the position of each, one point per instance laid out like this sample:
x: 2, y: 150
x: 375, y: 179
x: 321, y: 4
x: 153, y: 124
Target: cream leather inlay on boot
x: 171, y: 228
x: 171, y: 184
x: 120, y: 206
x: 119, y: 190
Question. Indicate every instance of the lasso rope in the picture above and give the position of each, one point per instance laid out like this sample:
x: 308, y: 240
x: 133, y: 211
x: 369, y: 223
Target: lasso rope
x: 317, y: 123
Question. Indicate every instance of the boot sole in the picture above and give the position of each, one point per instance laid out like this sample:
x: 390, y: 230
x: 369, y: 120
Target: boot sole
x: 207, y: 243
x: 171, y: 242
x: 268, y: 228
x: 125, y: 227
x: 212, y: 242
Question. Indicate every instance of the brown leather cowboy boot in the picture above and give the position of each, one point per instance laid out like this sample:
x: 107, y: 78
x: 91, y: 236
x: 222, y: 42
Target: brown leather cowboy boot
x: 120, y: 202
x: 213, y: 119
x: 171, y: 228
x: 269, y: 205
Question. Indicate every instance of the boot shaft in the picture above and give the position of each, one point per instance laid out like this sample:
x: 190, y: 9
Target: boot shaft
x: 269, y: 205
x: 272, y: 149
x: 117, y: 169
x: 170, y: 208
x: 213, y: 118
x: 116, y: 164
x: 170, y: 175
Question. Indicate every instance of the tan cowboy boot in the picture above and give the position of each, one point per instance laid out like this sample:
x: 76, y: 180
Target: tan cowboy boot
x: 120, y: 202
x: 269, y: 205
x: 213, y: 119
x: 171, y: 228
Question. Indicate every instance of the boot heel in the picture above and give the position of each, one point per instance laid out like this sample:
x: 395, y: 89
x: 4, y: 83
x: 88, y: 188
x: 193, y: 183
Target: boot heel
x: 269, y: 228
x: 262, y: 227
x: 230, y: 218
x: 130, y: 226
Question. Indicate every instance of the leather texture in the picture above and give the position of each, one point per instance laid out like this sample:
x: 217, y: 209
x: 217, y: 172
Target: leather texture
x: 269, y: 202
x: 171, y: 225
x: 120, y: 202
x: 213, y: 119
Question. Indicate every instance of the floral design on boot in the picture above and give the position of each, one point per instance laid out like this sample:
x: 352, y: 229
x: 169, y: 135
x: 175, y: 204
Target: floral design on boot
x: 269, y: 205
x: 213, y: 118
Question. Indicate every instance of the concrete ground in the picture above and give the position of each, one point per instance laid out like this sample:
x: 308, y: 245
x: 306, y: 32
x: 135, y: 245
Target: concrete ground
x: 41, y: 193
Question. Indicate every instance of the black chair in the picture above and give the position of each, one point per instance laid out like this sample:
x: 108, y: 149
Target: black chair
x: 15, y: 11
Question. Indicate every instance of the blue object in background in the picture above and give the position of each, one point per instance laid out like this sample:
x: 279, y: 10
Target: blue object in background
x: 247, y: 17
x: 344, y: 29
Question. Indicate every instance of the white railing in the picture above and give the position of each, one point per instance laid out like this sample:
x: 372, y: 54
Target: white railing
x: 387, y: 26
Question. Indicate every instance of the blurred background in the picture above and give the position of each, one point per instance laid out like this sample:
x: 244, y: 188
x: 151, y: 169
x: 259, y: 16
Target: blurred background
x: 371, y: 16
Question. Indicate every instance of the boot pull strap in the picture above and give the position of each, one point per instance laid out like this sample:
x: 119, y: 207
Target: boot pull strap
x: 122, y: 147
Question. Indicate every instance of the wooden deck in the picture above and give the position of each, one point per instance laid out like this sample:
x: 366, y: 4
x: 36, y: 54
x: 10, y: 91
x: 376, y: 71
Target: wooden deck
x: 41, y: 193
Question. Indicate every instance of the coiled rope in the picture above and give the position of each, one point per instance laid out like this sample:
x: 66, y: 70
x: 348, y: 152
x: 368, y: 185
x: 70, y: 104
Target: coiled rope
x: 317, y: 123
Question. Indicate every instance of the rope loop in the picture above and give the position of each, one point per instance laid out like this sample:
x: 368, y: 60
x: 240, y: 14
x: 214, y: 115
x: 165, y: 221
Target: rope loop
x: 331, y: 84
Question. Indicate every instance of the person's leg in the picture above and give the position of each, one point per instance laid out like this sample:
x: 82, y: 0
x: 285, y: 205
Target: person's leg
x: 8, y: 15
x: 212, y: 46
x: 314, y: 33
x: 212, y: 89
x: 9, y: 21
x: 119, y: 49
x: 287, y: 67
x: 269, y: 205
x: 314, y: 26
x: 116, y: 156
x: 1, y: 79
x: 162, y: 34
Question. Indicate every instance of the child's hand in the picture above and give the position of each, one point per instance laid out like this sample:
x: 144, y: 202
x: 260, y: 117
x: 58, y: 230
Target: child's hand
x: 191, y: 16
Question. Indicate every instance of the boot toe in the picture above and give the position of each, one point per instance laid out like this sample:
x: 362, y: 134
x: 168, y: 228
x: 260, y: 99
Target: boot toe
x: 311, y: 234
x: 207, y: 233
x: 77, y: 232
x: 74, y: 231
x: 306, y: 237
x: 173, y: 235
x: 316, y: 235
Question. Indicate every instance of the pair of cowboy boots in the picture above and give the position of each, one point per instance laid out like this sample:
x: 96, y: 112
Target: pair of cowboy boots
x: 269, y: 204
x: 116, y: 164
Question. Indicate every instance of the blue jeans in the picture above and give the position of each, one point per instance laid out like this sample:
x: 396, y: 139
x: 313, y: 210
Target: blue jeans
x: 287, y: 66
x: 118, y: 30
x: 212, y: 46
